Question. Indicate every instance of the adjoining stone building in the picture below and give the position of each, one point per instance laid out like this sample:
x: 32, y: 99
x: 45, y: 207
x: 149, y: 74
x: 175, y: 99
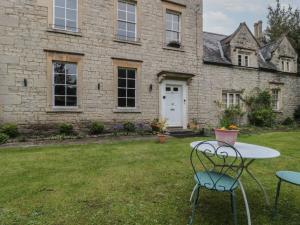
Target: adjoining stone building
x: 77, y: 61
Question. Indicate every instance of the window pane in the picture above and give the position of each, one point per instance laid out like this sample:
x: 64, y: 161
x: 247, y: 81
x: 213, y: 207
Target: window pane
x: 71, y: 15
x: 71, y: 79
x: 60, y: 12
x: 224, y: 98
x: 121, y: 73
x: 60, y: 3
x: 72, y: 4
x: 131, y: 74
x: 60, y: 90
x: 71, y: 68
x: 122, y: 5
x: 131, y: 17
x: 122, y: 25
x: 122, y: 15
x: 122, y: 83
x: 71, y: 90
x: 130, y: 102
x: 71, y: 25
x: 131, y: 8
x: 231, y: 99
x: 59, y: 67
x: 169, y: 17
x: 121, y: 92
x: 59, y: 79
x: 131, y: 27
x: 59, y: 23
x: 59, y: 101
x: 122, y: 34
x: 131, y: 83
x: 71, y: 101
x: 122, y: 102
x: 131, y: 93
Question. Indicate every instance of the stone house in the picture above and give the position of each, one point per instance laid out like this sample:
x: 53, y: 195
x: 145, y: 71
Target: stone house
x: 77, y: 61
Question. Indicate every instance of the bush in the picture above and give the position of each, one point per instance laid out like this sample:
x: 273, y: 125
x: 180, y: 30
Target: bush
x: 96, y: 128
x: 232, y: 115
x: 129, y: 127
x: 10, y: 130
x: 288, y: 121
x: 297, y: 114
x: 260, y: 110
x: 66, y: 129
x: 3, y: 138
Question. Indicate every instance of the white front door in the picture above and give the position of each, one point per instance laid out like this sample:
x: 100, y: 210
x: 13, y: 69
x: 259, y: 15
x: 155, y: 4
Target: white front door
x: 174, y: 105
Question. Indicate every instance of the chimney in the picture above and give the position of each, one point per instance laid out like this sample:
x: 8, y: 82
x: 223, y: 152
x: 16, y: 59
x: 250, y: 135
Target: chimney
x: 258, y: 31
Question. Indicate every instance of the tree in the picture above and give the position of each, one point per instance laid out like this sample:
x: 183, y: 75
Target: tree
x: 284, y: 21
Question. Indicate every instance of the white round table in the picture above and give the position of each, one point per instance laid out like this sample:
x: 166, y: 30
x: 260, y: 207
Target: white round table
x: 249, y: 153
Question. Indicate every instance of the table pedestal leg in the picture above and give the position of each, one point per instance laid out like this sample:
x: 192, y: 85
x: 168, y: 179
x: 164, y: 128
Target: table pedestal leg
x: 258, y: 182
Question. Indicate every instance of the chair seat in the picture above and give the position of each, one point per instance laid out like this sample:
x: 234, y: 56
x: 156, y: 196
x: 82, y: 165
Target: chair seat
x: 289, y: 176
x: 222, y: 182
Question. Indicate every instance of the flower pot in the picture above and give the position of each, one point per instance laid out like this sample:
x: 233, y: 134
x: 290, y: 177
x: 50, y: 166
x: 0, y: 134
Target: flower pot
x: 227, y: 136
x: 162, y: 138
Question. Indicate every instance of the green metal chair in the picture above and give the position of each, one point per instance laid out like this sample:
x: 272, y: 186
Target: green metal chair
x: 288, y: 177
x: 214, y: 170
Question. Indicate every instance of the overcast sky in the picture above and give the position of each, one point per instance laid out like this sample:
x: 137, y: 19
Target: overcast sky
x: 224, y: 16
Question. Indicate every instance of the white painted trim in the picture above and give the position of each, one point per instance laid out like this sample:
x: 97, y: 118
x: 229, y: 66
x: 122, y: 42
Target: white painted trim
x: 162, y: 92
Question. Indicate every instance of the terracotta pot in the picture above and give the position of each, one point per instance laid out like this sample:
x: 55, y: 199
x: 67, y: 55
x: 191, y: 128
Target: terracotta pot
x: 162, y: 138
x: 227, y: 136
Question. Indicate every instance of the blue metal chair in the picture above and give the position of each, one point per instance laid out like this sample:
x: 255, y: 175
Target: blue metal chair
x: 288, y: 177
x: 217, y: 168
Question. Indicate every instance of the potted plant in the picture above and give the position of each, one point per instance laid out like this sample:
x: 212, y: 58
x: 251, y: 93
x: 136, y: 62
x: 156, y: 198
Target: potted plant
x: 227, y: 134
x: 159, y: 126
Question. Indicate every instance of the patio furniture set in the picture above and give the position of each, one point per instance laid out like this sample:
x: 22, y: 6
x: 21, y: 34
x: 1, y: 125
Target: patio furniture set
x: 219, y: 166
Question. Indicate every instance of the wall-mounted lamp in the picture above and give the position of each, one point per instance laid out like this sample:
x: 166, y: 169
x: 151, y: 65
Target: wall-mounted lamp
x: 25, y: 82
x: 150, y: 88
x: 99, y: 86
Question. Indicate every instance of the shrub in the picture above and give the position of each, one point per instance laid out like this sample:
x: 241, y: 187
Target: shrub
x: 260, y: 110
x: 297, y: 114
x: 3, y: 138
x: 10, y: 130
x: 129, y: 127
x: 232, y: 115
x: 66, y: 129
x: 97, y: 128
x: 116, y: 129
x: 288, y: 121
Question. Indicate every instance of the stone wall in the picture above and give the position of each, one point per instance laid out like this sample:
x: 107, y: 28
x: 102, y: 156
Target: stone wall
x: 25, y: 34
x: 218, y: 78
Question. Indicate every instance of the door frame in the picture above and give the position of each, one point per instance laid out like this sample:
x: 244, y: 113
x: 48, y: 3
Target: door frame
x: 184, y: 103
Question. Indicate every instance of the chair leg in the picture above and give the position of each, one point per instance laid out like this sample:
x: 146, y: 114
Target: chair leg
x: 233, y: 207
x: 277, y: 197
x: 195, y: 200
x: 246, y: 203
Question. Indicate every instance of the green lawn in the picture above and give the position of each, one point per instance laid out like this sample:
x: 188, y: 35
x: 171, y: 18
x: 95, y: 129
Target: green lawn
x: 130, y: 183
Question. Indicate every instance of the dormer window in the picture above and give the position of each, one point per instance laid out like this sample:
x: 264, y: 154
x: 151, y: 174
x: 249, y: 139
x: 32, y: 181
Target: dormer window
x: 285, y: 65
x: 243, y: 60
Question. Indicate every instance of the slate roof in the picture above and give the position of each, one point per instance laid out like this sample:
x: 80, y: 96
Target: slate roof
x: 215, y: 46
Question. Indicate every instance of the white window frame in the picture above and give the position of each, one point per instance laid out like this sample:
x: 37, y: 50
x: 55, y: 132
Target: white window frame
x: 276, y: 96
x: 243, y: 60
x: 236, y: 102
x: 53, y: 86
x: 126, y: 21
x: 179, y: 25
x: 126, y: 88
x: 65, y: 19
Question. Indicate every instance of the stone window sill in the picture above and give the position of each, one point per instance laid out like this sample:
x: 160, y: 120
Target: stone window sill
x: 51, y: 30
x: 127, y: 42
x: 119, y: 110
x: 174, y: 49
x: 64, y: 110
x: 277, y: 111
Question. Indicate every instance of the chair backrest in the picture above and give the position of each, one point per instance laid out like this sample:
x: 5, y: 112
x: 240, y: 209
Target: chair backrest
x: 217, y: 161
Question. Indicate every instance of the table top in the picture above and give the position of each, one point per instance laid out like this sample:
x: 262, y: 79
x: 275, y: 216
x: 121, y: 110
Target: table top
x: 248, y: 151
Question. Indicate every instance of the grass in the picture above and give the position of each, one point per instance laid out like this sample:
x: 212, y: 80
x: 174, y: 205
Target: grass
x: 136, y: 183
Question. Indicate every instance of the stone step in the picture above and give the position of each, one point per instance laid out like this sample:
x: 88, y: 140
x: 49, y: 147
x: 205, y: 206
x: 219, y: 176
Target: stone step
x: 182, y: 133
